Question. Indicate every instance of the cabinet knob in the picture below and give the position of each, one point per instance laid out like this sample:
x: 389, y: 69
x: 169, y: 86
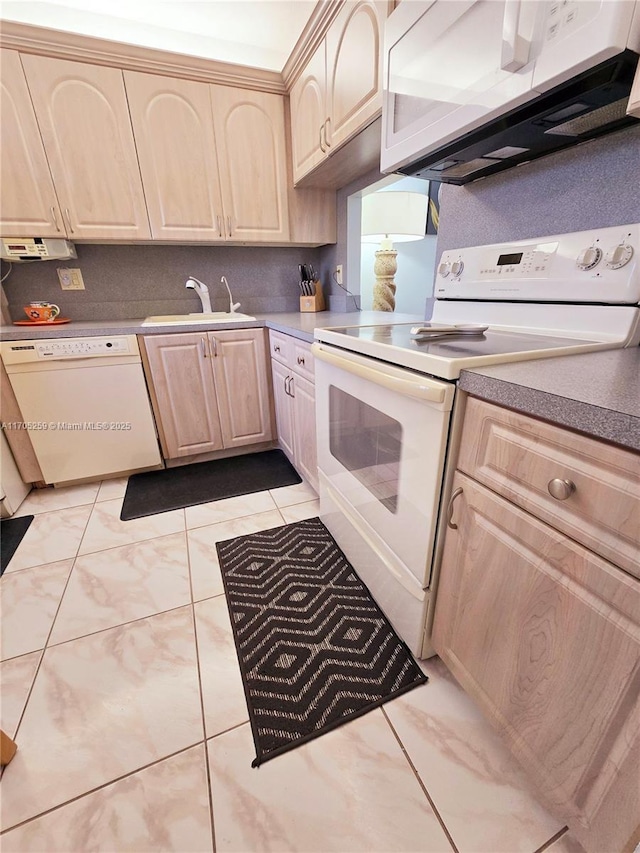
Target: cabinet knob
x: 300, y: 359
x: 561, y: 489
x: 276, y: 348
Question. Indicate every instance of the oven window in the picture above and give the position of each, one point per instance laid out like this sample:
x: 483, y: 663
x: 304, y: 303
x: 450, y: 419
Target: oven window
x: 366, y: 442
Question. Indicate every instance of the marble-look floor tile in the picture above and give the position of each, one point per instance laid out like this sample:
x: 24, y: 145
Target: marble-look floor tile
x: 479, y: 790
x: 206, y: 580
x: 28, y: 603
x: 51, y: 536
x: 568, y: 844
x: 297, y: 512
x: 16, y: 678
x: 47, y: 500
x: 228, y: 509
x: 119, y: 585
x: 289, y: 495
x: 349, y: 790
x: 105, y: 530
x: 104, y: 706
x: 164, y: 807
x: 112, y: 489
x: 223, y: 697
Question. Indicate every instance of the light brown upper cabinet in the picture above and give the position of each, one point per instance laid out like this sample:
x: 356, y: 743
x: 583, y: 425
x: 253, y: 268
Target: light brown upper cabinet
x: 173, y: 129
x: 84, y: 122
x: 252, y: 159
x: 213, y: 159
x: 340, y: 90
x: 28, y: 204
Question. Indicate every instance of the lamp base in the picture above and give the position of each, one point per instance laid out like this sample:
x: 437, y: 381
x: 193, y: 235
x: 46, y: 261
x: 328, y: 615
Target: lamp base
x: 384, y: 290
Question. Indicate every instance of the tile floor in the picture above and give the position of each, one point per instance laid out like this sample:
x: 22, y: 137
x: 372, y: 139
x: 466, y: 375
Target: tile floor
x: 119, y: 681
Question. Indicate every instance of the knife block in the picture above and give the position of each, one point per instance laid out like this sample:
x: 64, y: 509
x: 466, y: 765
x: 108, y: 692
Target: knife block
x: 313, y: 303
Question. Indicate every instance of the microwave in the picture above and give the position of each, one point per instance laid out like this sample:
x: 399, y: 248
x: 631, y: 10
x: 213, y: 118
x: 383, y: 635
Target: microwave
x: 472, y: 87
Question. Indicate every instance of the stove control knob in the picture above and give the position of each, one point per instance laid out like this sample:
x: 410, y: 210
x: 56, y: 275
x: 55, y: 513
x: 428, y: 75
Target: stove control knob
x: 618, y: 256
x: 589, y: 258
x: 444, y: 269
x: 457, y: 267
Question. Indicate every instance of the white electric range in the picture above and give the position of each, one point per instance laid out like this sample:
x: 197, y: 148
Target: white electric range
x: 385, y: 394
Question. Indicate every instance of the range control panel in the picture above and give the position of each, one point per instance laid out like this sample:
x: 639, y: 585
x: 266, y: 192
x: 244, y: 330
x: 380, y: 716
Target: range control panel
x: 602, y: 265
x: 61, y: 349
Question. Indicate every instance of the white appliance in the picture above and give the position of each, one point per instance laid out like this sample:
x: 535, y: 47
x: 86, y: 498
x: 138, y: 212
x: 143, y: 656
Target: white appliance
x: 12, y: 488
x: 386, y: 395
x: 475, y: 86
x: 85, y: 405
x: 18, y: 250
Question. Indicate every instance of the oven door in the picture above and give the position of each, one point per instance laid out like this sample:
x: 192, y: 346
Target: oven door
x: 382, y: 437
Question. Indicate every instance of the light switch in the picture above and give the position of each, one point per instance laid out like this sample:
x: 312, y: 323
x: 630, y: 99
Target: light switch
x: 70, y: 279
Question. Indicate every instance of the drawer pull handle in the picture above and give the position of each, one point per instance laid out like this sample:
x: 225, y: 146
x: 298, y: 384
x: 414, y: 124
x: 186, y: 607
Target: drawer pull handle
x: 450, y: 522
x: 300, y: 359
x: 561, y: 489
x: 276, y: 348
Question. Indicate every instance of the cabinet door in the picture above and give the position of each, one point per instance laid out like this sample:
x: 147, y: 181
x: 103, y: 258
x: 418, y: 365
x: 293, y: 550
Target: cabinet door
x: 354, y: 69
x: 546, y: 637
x: 284, y: 408
x: 84, y: 120
x: 183, y: 394
x: 173, y: 128
x: 308, y: 115
x: 28, y: 204
x: 242, y: 385
x: 304, y: 416
x: 249, y: 128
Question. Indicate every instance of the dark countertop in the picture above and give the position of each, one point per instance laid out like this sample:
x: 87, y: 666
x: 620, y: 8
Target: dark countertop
x: 296, y: 324
x: 597, y: 393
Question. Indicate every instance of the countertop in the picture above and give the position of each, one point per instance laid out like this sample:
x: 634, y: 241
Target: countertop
x: 597, y: 393
x: 299, y: 325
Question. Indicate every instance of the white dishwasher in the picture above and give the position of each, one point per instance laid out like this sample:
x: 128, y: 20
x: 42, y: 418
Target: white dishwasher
x: 85, y: 405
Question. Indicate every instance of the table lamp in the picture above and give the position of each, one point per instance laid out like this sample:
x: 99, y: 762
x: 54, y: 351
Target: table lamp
x: 388, y: 218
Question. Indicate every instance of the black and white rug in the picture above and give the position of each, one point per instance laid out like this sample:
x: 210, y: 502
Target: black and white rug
x: 315, y: 649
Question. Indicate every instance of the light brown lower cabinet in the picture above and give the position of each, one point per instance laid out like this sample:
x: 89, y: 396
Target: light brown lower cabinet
x: 294, y: 396
x: 544, y: 634
x: 210, y: 391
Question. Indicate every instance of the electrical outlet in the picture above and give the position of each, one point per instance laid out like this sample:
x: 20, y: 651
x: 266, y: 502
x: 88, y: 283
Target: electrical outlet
x: 70, y: 279
x: 339, y: 273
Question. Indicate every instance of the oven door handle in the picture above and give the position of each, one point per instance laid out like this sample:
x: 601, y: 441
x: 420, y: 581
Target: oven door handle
x: 419, y: 387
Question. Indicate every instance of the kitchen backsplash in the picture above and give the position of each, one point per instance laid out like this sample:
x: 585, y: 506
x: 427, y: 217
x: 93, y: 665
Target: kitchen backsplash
x: 593, y: 185
x: 129, y: 282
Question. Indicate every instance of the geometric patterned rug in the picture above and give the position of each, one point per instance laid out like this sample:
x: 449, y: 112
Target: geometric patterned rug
x: 315, y: 650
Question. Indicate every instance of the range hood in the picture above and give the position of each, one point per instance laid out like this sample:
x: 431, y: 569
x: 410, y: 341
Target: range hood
x: 589, y: 105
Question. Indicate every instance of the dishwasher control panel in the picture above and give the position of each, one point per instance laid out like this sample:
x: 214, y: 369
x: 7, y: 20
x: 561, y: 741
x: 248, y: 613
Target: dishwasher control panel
x: 84, y: 347
x: 60, y: 349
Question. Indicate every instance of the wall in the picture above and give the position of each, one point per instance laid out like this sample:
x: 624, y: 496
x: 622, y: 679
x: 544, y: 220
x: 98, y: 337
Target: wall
x: 339, y: 300
x: 129, y: 282
x: 596, y: 184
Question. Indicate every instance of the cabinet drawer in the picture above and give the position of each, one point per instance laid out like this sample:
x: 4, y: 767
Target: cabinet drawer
x: 518, y: 457
x: 302, y: 360
x: 281, y: 347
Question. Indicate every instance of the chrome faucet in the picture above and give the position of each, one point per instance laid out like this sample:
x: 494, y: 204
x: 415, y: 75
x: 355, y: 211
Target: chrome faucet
x: 233, y: 306
x: 203, y: 292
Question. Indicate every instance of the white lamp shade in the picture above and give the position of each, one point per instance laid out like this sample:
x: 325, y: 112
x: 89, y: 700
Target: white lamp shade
x: 395, y: 216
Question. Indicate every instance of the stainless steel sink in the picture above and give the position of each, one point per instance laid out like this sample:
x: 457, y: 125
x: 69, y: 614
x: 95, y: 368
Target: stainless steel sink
x: 189, y: 319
